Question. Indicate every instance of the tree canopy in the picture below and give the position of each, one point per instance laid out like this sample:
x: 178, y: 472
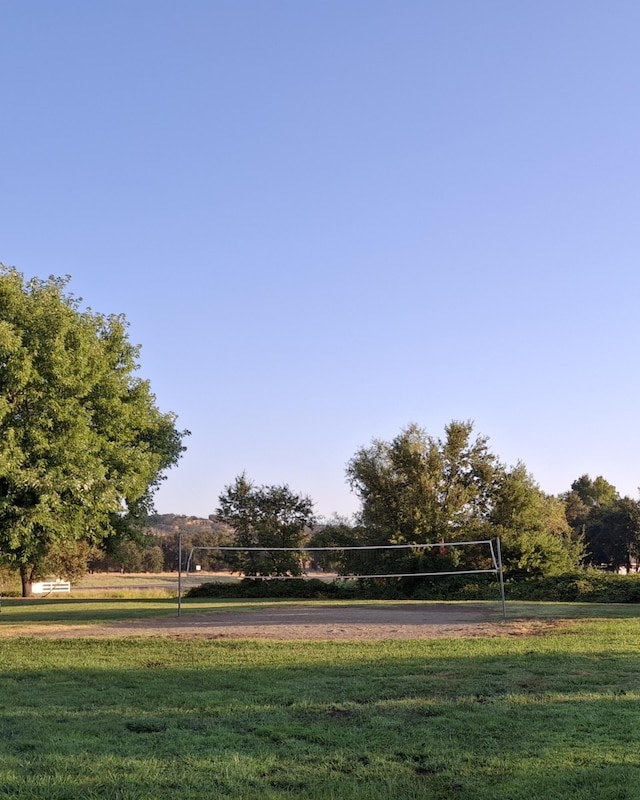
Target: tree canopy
x: 266, y: 516
x: 83, y: 446
x: 536, y: 537
x: 609, y: 524
x: 422, y: 489
x: 418, y: 488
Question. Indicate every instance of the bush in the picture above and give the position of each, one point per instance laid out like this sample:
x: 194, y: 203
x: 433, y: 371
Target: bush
x: 9, y: 583
x: 280, y: 588
x: 587, y: 586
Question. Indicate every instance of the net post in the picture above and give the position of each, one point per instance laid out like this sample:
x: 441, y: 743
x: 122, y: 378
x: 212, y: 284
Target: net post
x: 179, y: 574
x: 501, y: 577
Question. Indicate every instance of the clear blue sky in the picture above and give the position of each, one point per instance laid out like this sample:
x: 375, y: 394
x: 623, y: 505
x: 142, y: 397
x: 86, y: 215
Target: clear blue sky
x: 327, y: 219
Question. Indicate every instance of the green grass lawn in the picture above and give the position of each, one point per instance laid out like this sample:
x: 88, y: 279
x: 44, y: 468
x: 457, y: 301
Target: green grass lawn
x: 547, y: 716
x: 16, y: 613
x: 115, y: 584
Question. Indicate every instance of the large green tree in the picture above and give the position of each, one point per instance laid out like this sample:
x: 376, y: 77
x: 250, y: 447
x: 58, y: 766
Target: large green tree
x: 536, y: 536
x: 610, y: 524
x: 266, y: 517
x: 418, y: 488
x: 83, y: 446
x: 421, y: 489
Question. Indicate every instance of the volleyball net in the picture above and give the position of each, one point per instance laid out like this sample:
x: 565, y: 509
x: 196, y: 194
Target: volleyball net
x: 356, y: 562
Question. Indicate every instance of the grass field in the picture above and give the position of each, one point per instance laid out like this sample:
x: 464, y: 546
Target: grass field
x: 115, y: 584
x: 547, y: 716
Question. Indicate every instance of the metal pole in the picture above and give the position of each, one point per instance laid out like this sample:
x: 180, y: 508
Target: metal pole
x: 179, y: 574
x: 501, y: 578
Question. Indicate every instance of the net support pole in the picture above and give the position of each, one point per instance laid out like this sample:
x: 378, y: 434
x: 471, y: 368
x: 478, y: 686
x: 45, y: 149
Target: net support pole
x: 501, y: 577
x: 179, y: 574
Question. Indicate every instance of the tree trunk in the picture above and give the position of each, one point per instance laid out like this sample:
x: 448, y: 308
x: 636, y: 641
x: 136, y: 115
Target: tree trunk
x: 26, y: 578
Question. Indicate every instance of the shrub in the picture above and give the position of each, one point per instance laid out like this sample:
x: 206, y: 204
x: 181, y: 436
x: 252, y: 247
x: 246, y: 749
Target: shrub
x: 281, y: 588
x: 587, y: 586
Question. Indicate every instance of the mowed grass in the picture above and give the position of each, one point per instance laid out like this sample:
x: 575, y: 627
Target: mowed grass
x: 548, y: 716
x: 18, y: 615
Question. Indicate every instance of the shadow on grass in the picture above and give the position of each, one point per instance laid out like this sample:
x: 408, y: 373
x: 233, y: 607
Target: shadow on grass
x: 422, y: 720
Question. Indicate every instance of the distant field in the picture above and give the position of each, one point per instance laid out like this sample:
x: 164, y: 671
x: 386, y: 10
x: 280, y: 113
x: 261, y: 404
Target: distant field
x: 166, y: 581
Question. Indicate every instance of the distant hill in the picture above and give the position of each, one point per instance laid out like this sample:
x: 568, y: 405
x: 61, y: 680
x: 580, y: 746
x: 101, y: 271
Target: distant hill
x: 165, y: 524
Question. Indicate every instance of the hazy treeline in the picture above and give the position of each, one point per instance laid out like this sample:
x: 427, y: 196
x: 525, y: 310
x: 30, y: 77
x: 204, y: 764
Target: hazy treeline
x: 158, y: 550
x: 414, y: 489
x: 421, y: 489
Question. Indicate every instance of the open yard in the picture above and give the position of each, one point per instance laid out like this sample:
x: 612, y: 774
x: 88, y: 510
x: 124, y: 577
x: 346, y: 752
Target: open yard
x: 118, y: 698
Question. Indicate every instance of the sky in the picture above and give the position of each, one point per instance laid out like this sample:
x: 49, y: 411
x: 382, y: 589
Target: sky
x: 325, y: 220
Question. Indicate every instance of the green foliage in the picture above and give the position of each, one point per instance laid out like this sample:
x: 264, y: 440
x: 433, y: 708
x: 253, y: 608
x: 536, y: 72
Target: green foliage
x: 337, y: 532
x: 613, y: 534
x: 166, y: 530
x: 297, y: 588
x: 420, y: 489
x: 585, y: 586
x: 153, y: 559
x: 68, y: 558
x: 589, y: 586
x: 82, y: 444
x: 609, y: 524
x: 535, y: 535
x: 155, y: 548
x: 594, y: 493
x: 265, y: 516
x: 9, y: 583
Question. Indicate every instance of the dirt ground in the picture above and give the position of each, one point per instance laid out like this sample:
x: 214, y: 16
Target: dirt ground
x: 317, y: 623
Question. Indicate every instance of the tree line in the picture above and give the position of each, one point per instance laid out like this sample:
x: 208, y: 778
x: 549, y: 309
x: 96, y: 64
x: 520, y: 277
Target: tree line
x: 158, y: 550
x: 420, y: 489
x: 414, y: 489
x: 84, y: 447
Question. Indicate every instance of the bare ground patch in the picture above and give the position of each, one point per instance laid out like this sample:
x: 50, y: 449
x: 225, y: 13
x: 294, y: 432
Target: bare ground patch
x: 312, y: 622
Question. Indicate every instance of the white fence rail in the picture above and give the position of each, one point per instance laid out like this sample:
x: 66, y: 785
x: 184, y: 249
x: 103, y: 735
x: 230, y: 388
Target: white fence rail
x: 51, y: 587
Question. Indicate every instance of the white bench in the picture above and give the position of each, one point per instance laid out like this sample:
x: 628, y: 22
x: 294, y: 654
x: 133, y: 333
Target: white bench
x: 50, y: 587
